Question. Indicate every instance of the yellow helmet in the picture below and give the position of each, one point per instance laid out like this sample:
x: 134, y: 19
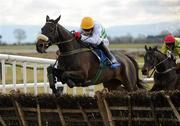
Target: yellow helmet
x: 87, y: 23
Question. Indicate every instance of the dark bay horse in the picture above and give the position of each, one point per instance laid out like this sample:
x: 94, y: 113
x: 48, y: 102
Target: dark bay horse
x: 78, y: 64
x: 165, y: 76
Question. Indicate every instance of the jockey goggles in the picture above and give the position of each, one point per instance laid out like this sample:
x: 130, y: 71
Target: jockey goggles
x: 87, y: 32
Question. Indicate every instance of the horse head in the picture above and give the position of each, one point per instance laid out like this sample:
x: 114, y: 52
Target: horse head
x: 153, y: 58
x: 51, y: 33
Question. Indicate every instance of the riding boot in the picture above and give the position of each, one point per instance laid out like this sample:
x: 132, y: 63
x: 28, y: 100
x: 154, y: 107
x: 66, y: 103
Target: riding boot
x: 51, y: 78
x: 113, y: 62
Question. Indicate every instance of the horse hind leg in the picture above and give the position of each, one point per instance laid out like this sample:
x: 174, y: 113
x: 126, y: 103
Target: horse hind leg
x: 128, y: 85
x: 139, y: 82
x: 129, y: 80
x: 113, y: 84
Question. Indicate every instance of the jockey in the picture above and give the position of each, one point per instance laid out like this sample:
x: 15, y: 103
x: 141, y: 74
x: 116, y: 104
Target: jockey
x: 171, y: 44
x: 171, y: 47
x: 94, y: 34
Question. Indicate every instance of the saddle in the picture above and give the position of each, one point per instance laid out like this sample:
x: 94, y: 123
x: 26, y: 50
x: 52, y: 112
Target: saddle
x: 103, y: 59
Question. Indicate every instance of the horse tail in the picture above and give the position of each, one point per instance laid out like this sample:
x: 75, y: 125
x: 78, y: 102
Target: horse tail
x: 129, y: 79
x: 139, y: 82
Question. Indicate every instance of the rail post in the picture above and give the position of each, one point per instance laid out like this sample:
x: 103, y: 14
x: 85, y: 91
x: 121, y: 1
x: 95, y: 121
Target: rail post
x: 0, y: 71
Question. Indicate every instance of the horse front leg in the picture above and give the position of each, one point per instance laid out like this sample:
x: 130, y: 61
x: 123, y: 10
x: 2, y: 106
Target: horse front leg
x: 73, y: 77
x: 54, y: 75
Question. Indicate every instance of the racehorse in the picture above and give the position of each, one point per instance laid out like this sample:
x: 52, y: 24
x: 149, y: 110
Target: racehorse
x: 165, y: 76
x: 79, y: 65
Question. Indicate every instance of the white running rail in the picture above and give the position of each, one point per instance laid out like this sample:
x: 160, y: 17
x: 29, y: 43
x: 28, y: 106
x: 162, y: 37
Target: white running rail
x: 35, y: 64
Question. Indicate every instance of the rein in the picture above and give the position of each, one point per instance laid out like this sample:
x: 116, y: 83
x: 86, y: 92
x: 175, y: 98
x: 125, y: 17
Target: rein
x: 62, y: 54
x: 154, y: 68
x: 62, y: 42
x: 74, y: 52
x: 166, y: 71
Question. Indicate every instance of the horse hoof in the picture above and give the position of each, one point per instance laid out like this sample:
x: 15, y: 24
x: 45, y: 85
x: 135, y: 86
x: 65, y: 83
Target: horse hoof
x: 70, y: 86
x: 70, y: 83
x: 54, y: 91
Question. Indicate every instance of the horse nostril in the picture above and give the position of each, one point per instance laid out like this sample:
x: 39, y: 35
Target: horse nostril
x: 40, y: 45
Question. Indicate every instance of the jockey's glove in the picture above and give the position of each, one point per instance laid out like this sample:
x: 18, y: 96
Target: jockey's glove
x: 171, y: 55
x: 77, y: 35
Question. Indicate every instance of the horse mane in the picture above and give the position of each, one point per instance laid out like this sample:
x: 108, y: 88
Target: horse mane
x: 156, y: 50
x: 63, y: 28
x: 161, y: 53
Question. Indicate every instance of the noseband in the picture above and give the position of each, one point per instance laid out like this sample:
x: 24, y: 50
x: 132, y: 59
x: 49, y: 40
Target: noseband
x: 164, y: 72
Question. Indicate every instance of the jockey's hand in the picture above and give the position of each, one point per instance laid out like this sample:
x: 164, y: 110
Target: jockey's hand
x: 173, y: 58
x: 77, y: 35
x: 171, y: 55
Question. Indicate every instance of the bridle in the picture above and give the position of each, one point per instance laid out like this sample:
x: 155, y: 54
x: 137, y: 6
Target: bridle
x: 154, y: 67
x: 59, y: 42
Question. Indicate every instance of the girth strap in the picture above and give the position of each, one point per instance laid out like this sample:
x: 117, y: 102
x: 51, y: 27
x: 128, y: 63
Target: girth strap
x: 98, y: 74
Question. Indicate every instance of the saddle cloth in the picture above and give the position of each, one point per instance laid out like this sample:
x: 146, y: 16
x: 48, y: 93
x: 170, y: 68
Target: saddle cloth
x: 102, y: 57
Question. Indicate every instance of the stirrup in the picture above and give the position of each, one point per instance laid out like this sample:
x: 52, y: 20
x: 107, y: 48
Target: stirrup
x: 115, y: 65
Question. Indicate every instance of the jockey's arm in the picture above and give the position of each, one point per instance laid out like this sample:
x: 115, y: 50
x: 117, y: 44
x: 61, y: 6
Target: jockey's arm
x: 177, y: 47
x: 94, y: 38
x: 164, y: 48
x: 178, y: 51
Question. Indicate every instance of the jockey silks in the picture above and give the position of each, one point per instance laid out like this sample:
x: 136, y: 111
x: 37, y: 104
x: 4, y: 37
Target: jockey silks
x: 176, y: 50
x: 98, y: 35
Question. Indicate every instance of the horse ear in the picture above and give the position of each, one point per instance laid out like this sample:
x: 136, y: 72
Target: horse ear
x: 146, y: 47
x: 150, y: 48
x: 155, y: 48
x: 47, y: 18
x: 56, y: 21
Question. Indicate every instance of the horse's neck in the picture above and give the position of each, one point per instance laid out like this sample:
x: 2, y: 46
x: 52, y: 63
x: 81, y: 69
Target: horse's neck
x: 69, y: 42
x: 160, y: 56
x: 164, y: 65
x: 63, y: 33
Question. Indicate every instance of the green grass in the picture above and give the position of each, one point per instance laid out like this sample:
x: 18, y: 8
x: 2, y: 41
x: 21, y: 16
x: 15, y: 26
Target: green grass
x: 33, y: 47
x: 16, y: 47
x: 19, y: 75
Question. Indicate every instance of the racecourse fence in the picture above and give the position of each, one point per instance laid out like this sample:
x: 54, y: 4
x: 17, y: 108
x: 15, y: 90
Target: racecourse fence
x: 104, y: 109
x: 24, y: 63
